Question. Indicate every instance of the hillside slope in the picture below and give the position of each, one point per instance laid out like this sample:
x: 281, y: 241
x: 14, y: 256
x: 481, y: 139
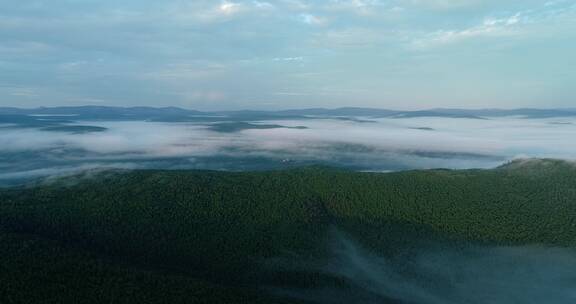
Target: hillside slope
x: 206, y: 237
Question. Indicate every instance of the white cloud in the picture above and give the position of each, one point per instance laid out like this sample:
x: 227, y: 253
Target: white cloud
x: 210, y: 13
x: 382, y: 145
x: 289, y: 59
x: 362, y: 7
x: 512, y: 24
x: 263, y: 5
x: 229, y: 8
x: 311, y: 19
x: 24, y: 92
x: 490, y: 27
x: 443, y: 4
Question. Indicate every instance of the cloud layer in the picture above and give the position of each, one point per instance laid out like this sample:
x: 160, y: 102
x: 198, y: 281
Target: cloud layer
x: 287, y: 53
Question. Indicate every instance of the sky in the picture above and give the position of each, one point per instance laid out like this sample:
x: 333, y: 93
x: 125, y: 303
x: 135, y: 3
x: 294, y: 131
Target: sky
x: 248, y: 54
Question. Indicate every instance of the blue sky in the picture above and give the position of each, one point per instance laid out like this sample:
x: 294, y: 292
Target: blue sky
x: 400, y: 54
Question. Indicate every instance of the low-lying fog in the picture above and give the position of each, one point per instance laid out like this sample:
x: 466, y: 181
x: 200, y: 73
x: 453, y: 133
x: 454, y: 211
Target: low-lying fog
x: 441, y: 275
x: 364, y: 144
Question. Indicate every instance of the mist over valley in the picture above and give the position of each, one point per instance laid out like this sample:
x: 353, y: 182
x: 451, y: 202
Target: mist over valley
x: 52, y: 141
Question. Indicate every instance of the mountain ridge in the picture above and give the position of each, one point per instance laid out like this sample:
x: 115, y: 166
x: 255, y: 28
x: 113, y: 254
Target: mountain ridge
x: 341, y: 111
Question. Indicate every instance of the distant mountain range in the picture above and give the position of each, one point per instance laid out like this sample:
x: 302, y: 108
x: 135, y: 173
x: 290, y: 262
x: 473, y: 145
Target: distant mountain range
x: 57, y: 116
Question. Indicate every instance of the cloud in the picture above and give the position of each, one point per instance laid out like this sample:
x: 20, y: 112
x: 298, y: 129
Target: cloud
x: 208, y: 13
x: 490, y: 27
x: 359, y: 7
x: 299, y: 58
x: 311, y: 19
x: 263, y: 5
x: 146, y: 52
x: 520, y: 23
x: 229, y: 8
x: 444, y: 4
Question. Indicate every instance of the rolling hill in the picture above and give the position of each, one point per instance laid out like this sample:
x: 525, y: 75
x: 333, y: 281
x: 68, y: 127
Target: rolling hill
x: 210, y: 237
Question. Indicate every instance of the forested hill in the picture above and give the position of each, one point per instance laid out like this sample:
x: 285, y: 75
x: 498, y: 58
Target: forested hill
x: 199, y: 236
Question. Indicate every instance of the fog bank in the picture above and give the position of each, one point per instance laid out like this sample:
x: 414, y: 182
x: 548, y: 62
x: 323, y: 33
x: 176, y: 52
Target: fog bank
x: 374, y: 144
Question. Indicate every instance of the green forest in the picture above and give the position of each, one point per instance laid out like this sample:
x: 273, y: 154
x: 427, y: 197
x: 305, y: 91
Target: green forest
x: 149, y: 236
